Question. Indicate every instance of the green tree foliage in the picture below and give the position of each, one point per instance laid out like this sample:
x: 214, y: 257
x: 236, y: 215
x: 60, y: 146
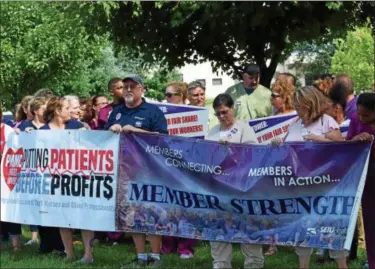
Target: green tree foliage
x: 355, y: 56
x: 229, y: 34
x: 64, y: 46
x: 314, y: 57
x: 42, y: 45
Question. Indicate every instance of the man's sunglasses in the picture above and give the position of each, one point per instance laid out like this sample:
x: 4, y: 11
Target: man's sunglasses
x: 169, y: 94
x: 130, y: 87
x: 223, y: 112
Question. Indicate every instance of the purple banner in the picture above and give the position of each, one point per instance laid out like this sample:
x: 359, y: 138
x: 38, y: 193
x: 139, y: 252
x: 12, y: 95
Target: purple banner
x: 298, y: 194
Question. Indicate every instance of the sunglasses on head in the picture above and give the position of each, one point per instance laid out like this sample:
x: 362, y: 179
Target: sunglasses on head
x: 170, y: 94
x: 275, y: 95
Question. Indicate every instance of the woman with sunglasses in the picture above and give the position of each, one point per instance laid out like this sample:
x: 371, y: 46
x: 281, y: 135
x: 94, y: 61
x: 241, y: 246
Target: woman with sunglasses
x: 282, y: 102
x: 176, y: 93
x: 230, y: 130
x: 282, y: 98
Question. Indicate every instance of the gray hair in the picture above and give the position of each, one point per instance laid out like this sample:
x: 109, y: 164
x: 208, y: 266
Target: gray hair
x: 195, y: 84
x: 71, y: 98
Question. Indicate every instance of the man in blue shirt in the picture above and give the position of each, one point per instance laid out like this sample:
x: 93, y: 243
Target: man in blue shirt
x: 138, y: 116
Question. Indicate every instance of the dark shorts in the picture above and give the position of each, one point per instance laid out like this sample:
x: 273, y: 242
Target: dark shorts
x: 11, y: 228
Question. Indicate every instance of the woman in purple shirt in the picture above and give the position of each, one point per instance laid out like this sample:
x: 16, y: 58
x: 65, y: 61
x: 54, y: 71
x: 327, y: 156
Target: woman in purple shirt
x: 362, y: 128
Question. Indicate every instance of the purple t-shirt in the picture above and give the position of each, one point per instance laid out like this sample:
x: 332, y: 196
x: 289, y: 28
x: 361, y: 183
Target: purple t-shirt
x: 356, y: 127
x: 351, y: 107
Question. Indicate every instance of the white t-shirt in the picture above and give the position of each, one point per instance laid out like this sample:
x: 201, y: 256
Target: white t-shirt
x: 241, y: 132
x: 320, y: 127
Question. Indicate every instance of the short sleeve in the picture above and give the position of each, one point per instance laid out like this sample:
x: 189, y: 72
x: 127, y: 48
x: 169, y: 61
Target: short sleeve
x: 352, y: 131
x: 44, y: 127
x: 248, y: 134
x: 329, y: 124
x: 23, y: 126
x: 110, y: 120
x: 159, y: 123
x: 74, y: 125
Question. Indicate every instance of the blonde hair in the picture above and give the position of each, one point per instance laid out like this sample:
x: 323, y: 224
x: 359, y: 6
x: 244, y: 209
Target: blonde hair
x: 286, y: 91
x: 21, y: 107
x: 181, y: 88
x: 312, y: 99
x: 323, y: 85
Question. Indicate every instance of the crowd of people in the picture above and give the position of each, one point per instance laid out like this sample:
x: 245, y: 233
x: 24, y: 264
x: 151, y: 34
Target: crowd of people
x: 321, y: 109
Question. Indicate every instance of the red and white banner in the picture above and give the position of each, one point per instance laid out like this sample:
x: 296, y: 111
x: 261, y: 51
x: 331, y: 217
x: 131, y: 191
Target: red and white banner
x: 60, y: 178
x: 185, y: 120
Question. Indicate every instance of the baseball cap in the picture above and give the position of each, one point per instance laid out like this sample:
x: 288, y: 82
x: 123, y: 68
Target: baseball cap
x: 135, y: 78
x: 252, y: 69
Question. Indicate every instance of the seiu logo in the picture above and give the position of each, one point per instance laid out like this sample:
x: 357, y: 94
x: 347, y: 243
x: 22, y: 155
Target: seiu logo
x: 327, y: 230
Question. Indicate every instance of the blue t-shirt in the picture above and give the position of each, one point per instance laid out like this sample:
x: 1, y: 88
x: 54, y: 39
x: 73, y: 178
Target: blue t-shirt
x: 249, y: 91
x: 146, y: 116
x: 27, y: 124
x: 70, y: 125
x: 8, y: 122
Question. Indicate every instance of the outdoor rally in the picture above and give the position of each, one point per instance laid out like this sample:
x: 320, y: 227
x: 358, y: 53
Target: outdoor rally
x: 187, y: 134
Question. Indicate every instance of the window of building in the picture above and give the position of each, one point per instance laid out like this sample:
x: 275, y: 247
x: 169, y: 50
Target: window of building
x: 309, y: 79
x: 202, y: 81
x: 217, y: 81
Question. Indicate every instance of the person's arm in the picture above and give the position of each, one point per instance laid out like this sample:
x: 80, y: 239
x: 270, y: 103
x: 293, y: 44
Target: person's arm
x: 330, y: 129
x: 365, y: 137
x: 352, y: 128
x: 334, y: 135
x: 131, y: 129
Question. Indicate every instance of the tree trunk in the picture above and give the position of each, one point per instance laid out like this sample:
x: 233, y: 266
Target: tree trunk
x: 268, y: 72
x: 266, y: 76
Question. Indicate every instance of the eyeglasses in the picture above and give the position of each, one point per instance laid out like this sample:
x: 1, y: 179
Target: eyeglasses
x: 170, y: 94
x: 130, y: 87
x: 223, y: 112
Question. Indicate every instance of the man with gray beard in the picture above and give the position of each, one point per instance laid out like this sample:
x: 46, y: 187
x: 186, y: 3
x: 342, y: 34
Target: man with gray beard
x: 138, y: 116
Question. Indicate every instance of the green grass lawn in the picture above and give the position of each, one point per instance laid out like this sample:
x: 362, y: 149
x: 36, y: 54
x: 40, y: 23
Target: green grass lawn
x: 115, y: 256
